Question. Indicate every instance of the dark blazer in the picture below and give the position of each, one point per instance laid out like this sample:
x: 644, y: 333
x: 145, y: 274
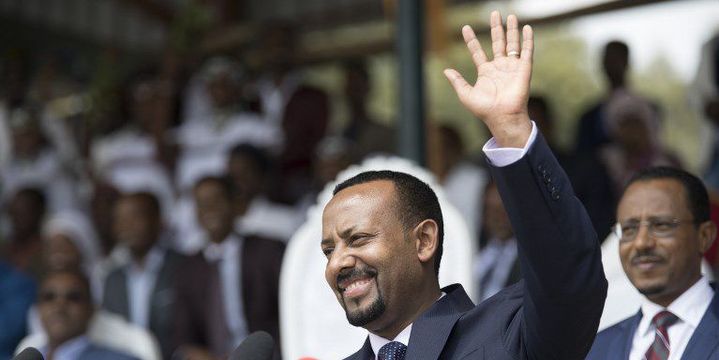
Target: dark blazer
x: 615, y: 342
x: 95, y: 352
x: 199, y: 314
x: 553, y: 313
x: 162, y: 300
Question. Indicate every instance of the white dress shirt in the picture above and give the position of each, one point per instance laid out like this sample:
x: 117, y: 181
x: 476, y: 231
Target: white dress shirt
x: 689, y: 308
x: 69, y: 350
x: 228, y: 254
x: 140, y: 283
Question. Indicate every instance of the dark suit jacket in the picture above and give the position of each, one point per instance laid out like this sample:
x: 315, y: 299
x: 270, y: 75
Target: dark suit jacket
x: 554, y: 312
x: 199, y: 316
x: 615, y: 342
x: 162, y: 300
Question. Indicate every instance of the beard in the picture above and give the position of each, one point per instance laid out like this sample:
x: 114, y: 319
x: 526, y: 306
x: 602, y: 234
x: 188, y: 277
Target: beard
x: 362, y: 317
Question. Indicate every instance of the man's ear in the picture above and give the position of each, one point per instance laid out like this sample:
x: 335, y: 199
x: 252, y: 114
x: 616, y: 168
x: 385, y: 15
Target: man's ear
x: 707, y: 234
x: 426, y: 235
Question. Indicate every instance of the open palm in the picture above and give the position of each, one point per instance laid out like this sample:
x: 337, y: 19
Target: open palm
x: 499, y: 95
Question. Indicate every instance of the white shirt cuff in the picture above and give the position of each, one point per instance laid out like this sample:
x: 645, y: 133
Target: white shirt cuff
x: 500, y: 157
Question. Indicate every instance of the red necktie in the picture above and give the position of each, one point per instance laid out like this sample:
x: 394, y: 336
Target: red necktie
x: 660, y: 348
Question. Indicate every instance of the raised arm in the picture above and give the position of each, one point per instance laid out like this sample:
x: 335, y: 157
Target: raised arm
x: 560, y: 258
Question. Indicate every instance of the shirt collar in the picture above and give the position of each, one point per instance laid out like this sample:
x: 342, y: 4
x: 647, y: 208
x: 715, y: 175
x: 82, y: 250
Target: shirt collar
x: 689, y: 307
x: 228, y: 247
x: 152, y: 261
x: 377, y: 341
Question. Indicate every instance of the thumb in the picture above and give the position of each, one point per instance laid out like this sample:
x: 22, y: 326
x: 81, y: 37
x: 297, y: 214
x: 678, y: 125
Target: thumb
x: 461, y: 87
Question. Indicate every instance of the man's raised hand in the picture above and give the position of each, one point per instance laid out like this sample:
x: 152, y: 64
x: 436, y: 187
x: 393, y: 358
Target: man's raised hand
x: 499, y: 96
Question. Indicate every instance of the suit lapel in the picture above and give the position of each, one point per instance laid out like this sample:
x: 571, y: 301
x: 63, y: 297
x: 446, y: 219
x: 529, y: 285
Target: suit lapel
x: 432, y: 329
x: 365, y: 353
x: 622, y: 345
x: 705, y: 339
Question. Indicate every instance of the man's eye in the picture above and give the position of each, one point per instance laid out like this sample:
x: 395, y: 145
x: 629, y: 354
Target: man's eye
x: 662, y: 225
x: 629, y: 229
x: 327, y: 251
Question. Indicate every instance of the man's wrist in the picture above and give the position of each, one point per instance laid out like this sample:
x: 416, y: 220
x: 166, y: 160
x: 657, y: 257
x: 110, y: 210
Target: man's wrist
x: 513, y: 132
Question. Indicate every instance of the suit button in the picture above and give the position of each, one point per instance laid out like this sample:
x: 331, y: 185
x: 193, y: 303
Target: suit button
x: 547, y: 180
x: 540, y: 168
x: 555, y: 196
x: 553, y: 189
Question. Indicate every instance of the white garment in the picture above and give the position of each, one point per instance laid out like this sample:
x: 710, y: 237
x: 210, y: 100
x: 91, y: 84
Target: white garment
x: 69, y: 350
x: 464, y: 187
x: 140, y: 283
x: 268, y: 219
x: 689, y: 308
x: 228, y: 254
x: 497, y: 257
x: 126, y: 145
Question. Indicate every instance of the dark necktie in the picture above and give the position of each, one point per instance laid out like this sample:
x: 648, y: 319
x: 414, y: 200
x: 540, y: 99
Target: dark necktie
x: 393, y: 350
x: 660, y: 348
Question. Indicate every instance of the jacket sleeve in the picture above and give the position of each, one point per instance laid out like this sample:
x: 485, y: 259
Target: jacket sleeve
x: 560, y: 259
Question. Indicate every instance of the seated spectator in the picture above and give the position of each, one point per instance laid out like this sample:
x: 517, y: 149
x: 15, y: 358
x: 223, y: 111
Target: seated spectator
x: 23, y: 249
x: 248, y: 168
x: 143, y: 290
x: 497, y: 265
x: 17, y: 293
x: 70, y: 242
x: 35, y: 163
x: 204, y: 142
x: 65, y: 308
x: 230, y: 288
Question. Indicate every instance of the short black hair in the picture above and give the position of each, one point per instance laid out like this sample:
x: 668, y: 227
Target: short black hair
x: 416, y: 201
x: 694, y: 189
x: 223, y: 180
x: 147, y: 198
x: 259, y: 157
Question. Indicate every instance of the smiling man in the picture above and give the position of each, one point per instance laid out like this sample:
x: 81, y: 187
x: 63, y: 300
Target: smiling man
x: 382, y: 234
x: 664, y: 229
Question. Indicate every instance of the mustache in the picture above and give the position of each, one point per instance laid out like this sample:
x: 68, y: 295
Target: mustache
x: 353, y: 273
x: 648, y: 255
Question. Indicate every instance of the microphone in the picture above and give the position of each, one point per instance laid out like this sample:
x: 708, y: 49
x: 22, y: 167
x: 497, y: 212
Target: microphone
x: 29, y: 353
x: 257, y: 346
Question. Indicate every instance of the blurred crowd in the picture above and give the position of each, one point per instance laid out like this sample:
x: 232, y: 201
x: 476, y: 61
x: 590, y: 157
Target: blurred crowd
x: 163, y: 204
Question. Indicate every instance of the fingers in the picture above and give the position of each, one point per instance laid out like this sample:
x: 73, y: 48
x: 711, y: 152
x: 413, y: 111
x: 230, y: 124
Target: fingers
x: 527, y: 43
x: 512, y: 36
x: 470, y: 38
x: 461, y: 87
x: 499, y: 44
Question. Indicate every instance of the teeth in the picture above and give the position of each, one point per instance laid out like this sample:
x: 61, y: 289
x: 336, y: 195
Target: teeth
x: 356, y: 284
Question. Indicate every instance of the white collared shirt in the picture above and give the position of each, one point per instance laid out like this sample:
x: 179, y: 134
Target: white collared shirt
x: 140, y: 283
x: 689, y: 308
x: 378, y: 342
x: 228, y: 254
x: 69, y: 350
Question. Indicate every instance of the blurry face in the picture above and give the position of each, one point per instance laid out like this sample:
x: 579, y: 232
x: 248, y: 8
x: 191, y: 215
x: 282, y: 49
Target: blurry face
x: 64, y: 307
x: 245, y: 176
x: 61, y: 253
x: 214, y: 210
x: 372, y: 266
x: 145, y: 105
x: 221, y: 91
x: 662, y: 268
x: 135, y: 224
x: 495, y: 216
x: 633, y: 134
x: 25, y: 213
x: 26, y: 142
